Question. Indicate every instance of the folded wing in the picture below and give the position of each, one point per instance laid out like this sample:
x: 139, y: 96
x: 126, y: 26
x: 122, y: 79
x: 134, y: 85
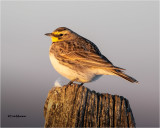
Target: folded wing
x: 88, y: 59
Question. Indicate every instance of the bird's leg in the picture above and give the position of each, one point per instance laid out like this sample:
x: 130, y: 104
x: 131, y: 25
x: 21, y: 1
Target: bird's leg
x: 81, y: 84
x: 71, y: 82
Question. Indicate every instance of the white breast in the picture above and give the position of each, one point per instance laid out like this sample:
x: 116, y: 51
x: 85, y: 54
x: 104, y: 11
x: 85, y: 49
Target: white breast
x: 63, y: 70
x: 70, y: 74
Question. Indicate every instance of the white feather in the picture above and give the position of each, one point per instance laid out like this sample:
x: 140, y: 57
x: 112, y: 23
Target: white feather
x: 58, y: 83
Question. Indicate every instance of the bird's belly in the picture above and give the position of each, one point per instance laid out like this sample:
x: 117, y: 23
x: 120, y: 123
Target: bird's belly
x: 75, y: 75
x: 62, y: 69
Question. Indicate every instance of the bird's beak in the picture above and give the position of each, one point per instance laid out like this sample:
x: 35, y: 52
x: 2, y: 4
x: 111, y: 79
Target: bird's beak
x: 48, y: 34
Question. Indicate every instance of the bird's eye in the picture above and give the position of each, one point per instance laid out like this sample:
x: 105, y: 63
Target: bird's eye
x: 60, y: 34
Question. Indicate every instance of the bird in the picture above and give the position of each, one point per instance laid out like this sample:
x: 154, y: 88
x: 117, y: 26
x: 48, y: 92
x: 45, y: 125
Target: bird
x: 79, y: 59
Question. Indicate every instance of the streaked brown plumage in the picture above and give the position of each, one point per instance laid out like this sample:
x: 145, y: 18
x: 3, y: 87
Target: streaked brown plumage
x: 80, y: 58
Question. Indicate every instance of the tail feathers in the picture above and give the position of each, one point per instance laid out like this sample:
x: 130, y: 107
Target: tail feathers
x: 125, y: 76
x: 114, y: 68
x: 119, y: 68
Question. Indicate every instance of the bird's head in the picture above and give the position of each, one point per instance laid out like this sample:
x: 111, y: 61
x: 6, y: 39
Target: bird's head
x: 61, y: 34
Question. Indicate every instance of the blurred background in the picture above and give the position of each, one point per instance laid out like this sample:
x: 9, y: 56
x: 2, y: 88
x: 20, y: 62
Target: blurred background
x: 126, y: 33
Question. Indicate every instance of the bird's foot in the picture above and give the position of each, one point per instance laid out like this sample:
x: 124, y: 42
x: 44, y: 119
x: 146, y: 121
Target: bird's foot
x: 81, y: 84
x: 71, y: 82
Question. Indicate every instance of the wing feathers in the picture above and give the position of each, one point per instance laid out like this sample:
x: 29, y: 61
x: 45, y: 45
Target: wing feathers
x: 88, y: 59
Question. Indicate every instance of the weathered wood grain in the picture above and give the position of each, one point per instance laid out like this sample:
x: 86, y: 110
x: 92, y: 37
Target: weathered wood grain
x: 78, y: 106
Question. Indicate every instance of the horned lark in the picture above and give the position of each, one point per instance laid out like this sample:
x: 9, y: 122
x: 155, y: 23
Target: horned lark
x: 79, y: 59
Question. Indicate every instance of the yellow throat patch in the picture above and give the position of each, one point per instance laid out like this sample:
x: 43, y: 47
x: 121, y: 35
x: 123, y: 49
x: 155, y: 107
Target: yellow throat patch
x: 54, y: 39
